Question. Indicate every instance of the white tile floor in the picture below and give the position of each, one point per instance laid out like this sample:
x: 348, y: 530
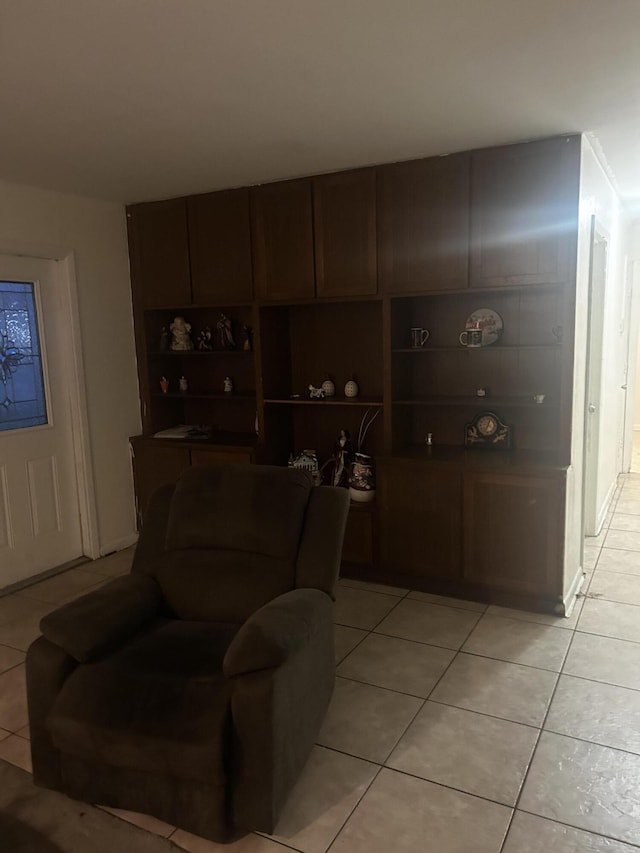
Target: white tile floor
x: 454, y: 727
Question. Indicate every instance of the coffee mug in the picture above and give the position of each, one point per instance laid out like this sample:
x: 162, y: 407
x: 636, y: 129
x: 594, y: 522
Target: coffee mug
x: 471, y: 338
x: 419, y: 337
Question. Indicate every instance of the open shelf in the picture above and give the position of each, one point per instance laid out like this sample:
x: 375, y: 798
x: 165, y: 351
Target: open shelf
x: 187, y: 395
x: 485, y: 402
x: 328, y: 401
x: 494, y: 348
x: 192, y: 352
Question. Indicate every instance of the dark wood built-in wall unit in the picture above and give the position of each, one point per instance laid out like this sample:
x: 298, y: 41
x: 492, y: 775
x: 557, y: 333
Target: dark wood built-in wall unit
x: 331, y: 272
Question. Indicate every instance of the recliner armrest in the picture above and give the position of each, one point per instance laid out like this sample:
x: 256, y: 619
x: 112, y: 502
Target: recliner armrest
x: 102, y: 620
x: 276, y: 631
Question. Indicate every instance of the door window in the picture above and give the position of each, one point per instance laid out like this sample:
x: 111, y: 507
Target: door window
x: 22, y: 396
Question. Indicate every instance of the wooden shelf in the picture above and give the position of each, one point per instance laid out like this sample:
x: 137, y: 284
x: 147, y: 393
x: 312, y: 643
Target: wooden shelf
x: 192, y: 352
x: 520, y: 461
x: 477, y: 291
x: 492, y: 348
x: 187, y: 395
x: 328, y: 401
x: 485, y: 402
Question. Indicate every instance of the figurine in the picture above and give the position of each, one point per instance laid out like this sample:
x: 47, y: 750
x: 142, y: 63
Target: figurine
x: 205, y: 343
x: 225, y: 332
x: 228, y: 385
x: 247, y: 346
x: 164, y: 339
x: 181, y: 332
x: 164, y: 384
x: 183, y: 385
x: 351, y: 388
x: 316, y: 393
x: 341, y: 459
x: 328, y: 387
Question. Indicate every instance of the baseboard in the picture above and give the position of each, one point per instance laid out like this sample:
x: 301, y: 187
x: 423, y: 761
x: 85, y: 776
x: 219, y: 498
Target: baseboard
x: 572, y: 596
x: 118, y: 544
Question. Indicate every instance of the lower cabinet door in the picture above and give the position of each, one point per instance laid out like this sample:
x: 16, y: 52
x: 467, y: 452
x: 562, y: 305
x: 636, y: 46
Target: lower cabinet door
x: 420, y: 520
x: 513, y: 532
x: 358, y: 537
x: 210, y: 456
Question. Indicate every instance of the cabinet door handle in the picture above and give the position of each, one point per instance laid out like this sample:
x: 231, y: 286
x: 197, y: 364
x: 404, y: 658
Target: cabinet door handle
x: 592, y: 408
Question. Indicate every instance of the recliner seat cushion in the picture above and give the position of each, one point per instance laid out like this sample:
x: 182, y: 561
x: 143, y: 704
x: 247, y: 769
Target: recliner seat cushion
x: 161, y: 704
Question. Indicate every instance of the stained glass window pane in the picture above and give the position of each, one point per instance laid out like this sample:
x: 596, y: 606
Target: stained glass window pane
x: 22, y: 400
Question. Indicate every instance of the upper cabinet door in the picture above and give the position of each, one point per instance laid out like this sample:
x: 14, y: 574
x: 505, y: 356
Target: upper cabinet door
x: 423, y: 224
x: 159, y: 253
x: 524, y: 213
x: 220, y: 247
x: 345, y: 233
x: 283, y: 241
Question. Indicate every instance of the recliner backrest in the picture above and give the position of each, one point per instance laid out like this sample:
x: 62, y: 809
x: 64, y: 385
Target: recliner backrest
x: 232, y: 539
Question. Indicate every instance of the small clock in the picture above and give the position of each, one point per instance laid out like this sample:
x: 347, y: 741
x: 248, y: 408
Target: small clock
x: 486, y: 431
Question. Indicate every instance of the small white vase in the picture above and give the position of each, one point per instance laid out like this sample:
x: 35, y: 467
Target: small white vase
x: 351, y: 388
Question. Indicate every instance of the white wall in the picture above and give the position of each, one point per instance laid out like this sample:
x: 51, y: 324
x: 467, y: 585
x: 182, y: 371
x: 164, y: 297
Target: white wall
x: 597, y: 196
x: 95, y: 231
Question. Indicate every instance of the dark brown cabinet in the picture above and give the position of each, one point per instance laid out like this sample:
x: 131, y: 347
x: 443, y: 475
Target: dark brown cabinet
x: 513, y: 533
x: 524, y: 213
x: 420, y: 519
x: 220, y: 248
x: 332, y: 272
x: 282, y: 218
x: 423, y: 225
x: 159, y: 253
x: 345, y: 233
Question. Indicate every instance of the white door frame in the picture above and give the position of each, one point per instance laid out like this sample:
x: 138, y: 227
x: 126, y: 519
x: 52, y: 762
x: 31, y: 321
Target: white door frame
x: 633, y: 325
x: 67, y: 281
x: 600, y: 242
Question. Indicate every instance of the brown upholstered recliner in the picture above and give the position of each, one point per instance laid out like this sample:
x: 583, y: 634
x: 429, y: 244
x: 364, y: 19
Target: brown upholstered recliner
x: 193, y: 688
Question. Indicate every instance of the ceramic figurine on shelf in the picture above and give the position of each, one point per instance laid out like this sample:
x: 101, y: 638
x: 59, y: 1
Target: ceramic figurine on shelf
x: 228, y: 385
x: 351, y: 388
x: 164, y: 384
x: 183, y: 385
x: 164, y: 339
x: 247, y: 346
x: 181, y: 335
x: 337, y: 467
x: 316, y: 393
x: 205, y: 340
x: 329, y: 387
x: 225, y: 332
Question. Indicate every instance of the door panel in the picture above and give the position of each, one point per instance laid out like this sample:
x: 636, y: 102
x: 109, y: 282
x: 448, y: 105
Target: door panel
x: 39, y: 508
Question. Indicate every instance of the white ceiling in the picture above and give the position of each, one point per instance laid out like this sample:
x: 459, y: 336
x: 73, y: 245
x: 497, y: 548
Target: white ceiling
x: 140, y: 99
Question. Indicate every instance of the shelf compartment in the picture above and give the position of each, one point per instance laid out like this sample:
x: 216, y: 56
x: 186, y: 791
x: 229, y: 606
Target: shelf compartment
x: 328, y: 401
x: 188, y: 395
x: 192, y: 352
x: 485, y: 402
x: 493, y: 348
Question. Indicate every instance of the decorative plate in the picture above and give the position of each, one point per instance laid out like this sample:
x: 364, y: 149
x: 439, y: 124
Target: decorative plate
x: 489, y: 321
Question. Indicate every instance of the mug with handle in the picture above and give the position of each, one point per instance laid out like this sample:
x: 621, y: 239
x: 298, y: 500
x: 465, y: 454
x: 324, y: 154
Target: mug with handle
x: 419, y: 337
x: 471, y: 338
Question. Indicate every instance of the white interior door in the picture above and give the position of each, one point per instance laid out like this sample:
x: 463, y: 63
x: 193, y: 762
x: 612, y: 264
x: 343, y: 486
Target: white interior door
x: 39, y: 509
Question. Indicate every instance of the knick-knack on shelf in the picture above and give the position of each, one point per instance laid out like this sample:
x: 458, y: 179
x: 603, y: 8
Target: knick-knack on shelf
x: 247, y: 346
x: 183, y: 385
x: 228, y: 385
x: 164, y: 339
x: 329, y: 387
x: 181, y: 335
x: 164, y: 384
x: 225, y: 333
x: 351, y: 388
x: 362, y: 480
x: 205, y: 340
